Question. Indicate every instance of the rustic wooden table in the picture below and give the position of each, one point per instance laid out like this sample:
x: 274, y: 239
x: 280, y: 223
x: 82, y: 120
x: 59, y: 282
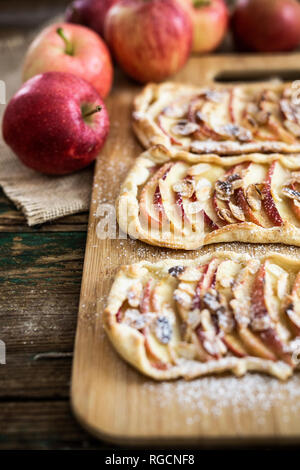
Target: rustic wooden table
x: 40, y: 277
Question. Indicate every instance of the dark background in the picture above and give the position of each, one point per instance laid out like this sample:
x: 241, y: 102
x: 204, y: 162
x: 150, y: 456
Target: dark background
x: 30, y: 13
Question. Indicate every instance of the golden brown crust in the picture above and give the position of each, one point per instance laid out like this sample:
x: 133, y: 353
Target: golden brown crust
x: 130, y: 342
x: 154, y: 98
x: 128, y: 204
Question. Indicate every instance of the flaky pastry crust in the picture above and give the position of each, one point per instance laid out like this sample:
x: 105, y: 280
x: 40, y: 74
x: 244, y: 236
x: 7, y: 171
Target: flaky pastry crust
x: 130, y: 209
x: 134, y: 307
x: 260, y: 118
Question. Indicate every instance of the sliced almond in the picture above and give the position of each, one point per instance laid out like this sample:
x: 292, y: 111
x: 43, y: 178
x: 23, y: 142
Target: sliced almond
x: 226, y: 215
x: 135, y: 319
x: 207, y: 323
x: 274, y: 269
x: 261, y: 323
x: 214, y: 96
x: 163, y: 329
x: 292, y: 127
x: 237, y: 212
x: 253, y: 197
x: 176, y: 110
x: 185, y: 188
x: 194, y: 207
x: 282, y: 286
x: 134, y: 294
x: 215, y: 346
x: 238, y: 183
x: 184, y: 128
x: 191, y: 274
x: 186, y: 286
x: 194, y: 318
x: 287, y: 110
x: 203, y: 189
x: 196, y: 170
x: 183, y: 298
x: 233, y: 130
x: 291, y: 193
x: 224, y: 190
x: 262, y: 117
x: 227, y: 272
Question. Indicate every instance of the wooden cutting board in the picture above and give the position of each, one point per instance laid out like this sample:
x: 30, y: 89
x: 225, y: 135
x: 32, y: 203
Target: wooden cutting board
x: 110, y: 398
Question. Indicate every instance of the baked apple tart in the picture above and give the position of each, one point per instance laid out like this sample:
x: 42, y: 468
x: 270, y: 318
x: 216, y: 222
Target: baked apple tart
x: 230, y: 120
x: 188, y: 201
x: 217, y: 313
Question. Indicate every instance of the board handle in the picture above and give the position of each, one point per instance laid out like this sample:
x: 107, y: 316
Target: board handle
x: 239, y: 76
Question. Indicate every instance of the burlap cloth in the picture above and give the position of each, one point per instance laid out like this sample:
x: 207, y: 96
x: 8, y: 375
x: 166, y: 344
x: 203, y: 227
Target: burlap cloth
x: 41, y: 198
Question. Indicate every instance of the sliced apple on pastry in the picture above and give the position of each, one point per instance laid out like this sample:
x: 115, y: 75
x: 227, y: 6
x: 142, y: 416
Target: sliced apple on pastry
x: 196, y: 114
x: 249, y: 195
x: 268, y: 199
x: 151, y: 207
x: 208, y: 337
x: 296, y: 200
x: 292, y: 309
x: 291, y: 191
x: 173, y: 201
x: 145, y: 305
x: 263, y: 322
x: 280, y: 132
x: 285, y: 193
x: 198, y: 205
x: 165, y: 129
x: 207, y: 281
x: 268, y: 119
x: 241, y: 305
x: 235, y: 345
x: 224, y: 202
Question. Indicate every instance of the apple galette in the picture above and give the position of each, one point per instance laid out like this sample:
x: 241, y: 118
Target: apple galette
x: 223, y: 120
x: 217, y: 313
x: 190, y: 200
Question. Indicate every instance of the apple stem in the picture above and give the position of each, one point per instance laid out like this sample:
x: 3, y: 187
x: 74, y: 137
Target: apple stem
x: 201, y: 3
x: 69, y: 47
x: 96, y: 110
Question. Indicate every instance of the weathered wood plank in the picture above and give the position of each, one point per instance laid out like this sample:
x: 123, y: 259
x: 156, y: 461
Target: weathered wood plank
x: 26, y: 376
x: 40, y: 279
x: 42, y: 425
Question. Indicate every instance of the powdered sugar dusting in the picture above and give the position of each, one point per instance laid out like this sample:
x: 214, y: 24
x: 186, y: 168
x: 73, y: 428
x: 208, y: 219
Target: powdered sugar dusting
x: 213, y: 395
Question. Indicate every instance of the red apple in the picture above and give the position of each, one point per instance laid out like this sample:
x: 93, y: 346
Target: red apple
x: 267, y: 25
x: 210, y: 20
x: 151, y: 39
x: 71, y: 48
x: 90, y: 13
x: 52, y: 123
